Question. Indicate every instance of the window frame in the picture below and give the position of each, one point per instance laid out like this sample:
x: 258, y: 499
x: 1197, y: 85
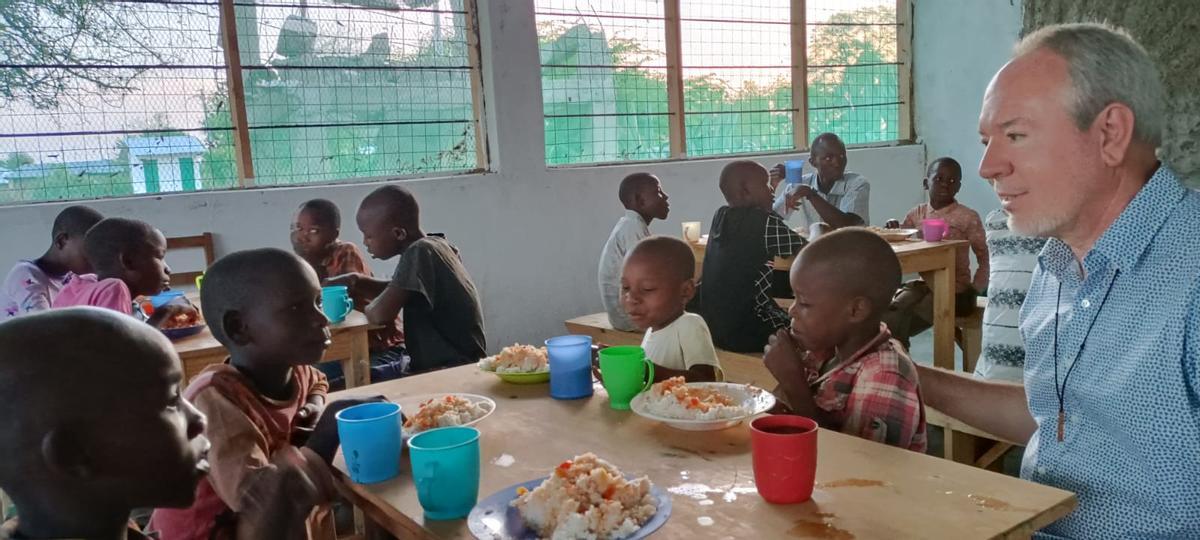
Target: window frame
x: 243, y: 151
x: 677, y: 119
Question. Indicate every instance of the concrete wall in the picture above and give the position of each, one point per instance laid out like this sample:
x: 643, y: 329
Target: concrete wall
x: 1170, y: 32
x: 529, y: 235
x: 957, y: 48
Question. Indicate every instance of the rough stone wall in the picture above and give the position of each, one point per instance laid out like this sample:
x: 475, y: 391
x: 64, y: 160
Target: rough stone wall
x: 1170, y: 31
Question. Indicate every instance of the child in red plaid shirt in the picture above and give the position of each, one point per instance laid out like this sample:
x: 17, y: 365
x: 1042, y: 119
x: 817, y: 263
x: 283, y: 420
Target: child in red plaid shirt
x: 838, y: 363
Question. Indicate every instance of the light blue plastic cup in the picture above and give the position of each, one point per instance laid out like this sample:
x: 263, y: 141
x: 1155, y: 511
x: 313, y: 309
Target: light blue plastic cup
x: 793, y: 170
x: 570, y: 366
x: 445, y: 469
x: 370, y: 438
x: 335, y: 302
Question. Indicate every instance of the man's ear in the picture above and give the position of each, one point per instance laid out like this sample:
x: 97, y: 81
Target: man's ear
x: 234, y: 327
x: 1116, y: 124
x: 65, y: 453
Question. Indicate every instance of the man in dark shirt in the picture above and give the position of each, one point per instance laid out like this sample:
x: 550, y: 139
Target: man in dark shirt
x: 746, y: 235
x: 443, y: 323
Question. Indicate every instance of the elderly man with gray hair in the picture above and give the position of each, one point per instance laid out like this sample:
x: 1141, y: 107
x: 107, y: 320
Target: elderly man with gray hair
x: 1111, y: 402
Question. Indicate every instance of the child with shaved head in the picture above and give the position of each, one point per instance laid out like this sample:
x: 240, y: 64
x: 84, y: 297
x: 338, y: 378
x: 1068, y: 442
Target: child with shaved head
x: 31, y: 285
x: 838, y: 363
x: 443, y: 321
x: 642, y: 196
x: 656, y: 283
x: 745, y: 236
x: 79, y: 452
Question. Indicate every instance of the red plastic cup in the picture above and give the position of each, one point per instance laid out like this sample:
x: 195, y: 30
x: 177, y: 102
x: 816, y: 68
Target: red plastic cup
x: 784, y: 450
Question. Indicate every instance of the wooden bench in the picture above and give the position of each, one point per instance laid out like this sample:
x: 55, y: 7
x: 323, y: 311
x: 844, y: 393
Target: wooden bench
x: 737, y: 367
x: 964, y: 444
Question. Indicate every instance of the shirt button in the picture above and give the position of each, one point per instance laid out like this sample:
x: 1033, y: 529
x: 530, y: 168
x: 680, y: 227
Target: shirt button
x: 1085, y: 303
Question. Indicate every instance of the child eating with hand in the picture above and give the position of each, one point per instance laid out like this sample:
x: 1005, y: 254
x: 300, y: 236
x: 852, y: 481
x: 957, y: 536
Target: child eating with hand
x: 656, y: 283
x: 32, y: 285
x: 837, y: 363
x: 263, y: 306
x: 95, y: 425
x: 128, y: 257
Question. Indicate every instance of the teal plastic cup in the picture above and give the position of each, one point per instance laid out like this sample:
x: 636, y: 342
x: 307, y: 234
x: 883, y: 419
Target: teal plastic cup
x: 370, y: 439
x: 335, y: 302
x: 445, y: 469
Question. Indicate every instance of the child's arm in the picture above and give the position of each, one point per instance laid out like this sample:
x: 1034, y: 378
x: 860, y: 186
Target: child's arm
x: 781, y: 241
x: 696, y: 373
x: 784, y: 360
x: 358, y: 284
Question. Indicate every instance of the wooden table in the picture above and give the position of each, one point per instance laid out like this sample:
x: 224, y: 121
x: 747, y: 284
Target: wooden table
x: 865, y: 489
x: 935, y: 262
x: 350, y: 347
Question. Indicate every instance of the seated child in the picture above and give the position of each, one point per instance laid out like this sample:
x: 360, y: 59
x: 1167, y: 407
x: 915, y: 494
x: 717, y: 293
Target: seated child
x: 127, y: 255
x: 838, y: 364
x: 912, y: 310
x: 443, y: 323
x: 642, y: 196
x: 263, y: 306
x: 746, y: 235
x: 315, y: 233
x: 655, y: 285
x: 32, y: 284
x: 82, y: 447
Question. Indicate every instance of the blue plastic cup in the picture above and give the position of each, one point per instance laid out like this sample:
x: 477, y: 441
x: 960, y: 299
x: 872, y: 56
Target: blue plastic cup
x: 793, y: 170
x: 570, y: 366
x: 445, y: 469
x: 335, y: 302
x: 370, y: 438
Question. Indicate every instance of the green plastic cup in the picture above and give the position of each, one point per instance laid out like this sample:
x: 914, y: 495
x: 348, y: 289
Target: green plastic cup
x: 626, y: 372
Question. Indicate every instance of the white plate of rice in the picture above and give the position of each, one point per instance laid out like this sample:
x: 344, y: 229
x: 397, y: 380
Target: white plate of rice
x: 701, y: 406
x: 584, y: 498
x: 431, y: 411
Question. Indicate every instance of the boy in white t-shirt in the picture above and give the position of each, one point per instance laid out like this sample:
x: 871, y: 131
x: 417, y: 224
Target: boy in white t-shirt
x: 657, y: 281
x: 642, y: 196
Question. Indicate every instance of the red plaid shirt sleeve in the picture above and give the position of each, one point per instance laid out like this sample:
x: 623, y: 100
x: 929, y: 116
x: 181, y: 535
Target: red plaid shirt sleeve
x: 884, y: 404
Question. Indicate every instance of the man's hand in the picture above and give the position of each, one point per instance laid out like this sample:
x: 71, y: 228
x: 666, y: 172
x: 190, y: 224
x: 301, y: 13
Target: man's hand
x: 776, y: 175
x: 350, y: 281
x: 802, y: 192
x: 892, y: 224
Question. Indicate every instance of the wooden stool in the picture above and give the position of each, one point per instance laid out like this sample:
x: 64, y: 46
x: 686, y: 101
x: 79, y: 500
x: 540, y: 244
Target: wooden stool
x: 968, y: 333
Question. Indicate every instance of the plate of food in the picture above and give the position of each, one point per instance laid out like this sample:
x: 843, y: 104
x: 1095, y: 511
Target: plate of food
x: 519, y: 364
x: 701, y: 406
x: 585, y: 497
x: 184, y: 324
x: 431, y: 411
x: 893, y: 235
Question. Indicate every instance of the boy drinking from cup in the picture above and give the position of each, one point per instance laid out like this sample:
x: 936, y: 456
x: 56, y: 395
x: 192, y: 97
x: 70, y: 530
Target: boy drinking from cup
x: 263, y: 306
x: 656, y: 283
x: 837, y: 363
x: 912, y: 308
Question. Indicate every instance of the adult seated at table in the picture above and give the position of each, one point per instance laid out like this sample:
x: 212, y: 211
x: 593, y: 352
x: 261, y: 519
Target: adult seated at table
x: 1112, y: 318
x: 745, y: 236
x: 830, y: 195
